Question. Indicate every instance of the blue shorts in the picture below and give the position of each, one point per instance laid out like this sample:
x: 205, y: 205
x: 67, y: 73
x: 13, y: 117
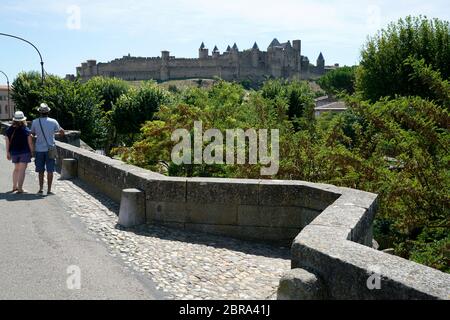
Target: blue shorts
x: 44, y: 163
x: 21, y: 158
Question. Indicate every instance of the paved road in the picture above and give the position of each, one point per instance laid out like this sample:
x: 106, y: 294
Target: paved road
x: 39, y: 240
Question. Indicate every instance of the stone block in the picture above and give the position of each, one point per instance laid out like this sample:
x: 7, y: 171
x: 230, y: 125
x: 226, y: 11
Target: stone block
x: 220, y: 214
x: 222, y: 191
x: 132, y: 208
x: 166, y: 211
x: 299, y: 284
x: 268, y: 216
x: 294, y: 194
x: 166, y: 190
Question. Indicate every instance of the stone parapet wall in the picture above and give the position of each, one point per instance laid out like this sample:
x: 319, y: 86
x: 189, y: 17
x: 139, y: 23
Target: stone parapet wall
x: 335, y: 249
x: 272, y: 211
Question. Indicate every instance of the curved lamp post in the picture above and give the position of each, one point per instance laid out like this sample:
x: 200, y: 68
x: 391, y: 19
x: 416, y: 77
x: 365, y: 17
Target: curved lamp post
x: 7, y: 81
x: 40, y: 56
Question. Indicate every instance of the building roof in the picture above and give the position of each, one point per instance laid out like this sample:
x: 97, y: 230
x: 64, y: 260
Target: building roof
x: 202, y: 46
x: 255, y: 46
x: 274, y: 43
x: 321, y: 57
x: 228, y: 48
x: 334, y: 106
x: 235, y: 47
x: 215, y: 49
x: 286, y: 45
x: 4, y: 87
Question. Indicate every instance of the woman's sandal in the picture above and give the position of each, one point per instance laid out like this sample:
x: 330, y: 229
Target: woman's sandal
x: 13, y: 190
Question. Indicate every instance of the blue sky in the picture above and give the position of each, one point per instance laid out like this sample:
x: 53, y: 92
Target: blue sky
x: 68, y: 32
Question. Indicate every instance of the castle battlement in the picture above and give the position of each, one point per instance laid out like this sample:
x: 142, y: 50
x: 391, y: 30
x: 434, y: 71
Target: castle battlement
x: 281, y: 60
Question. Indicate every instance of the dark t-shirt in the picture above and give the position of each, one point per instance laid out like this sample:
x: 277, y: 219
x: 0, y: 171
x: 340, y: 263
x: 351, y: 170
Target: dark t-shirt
x: 19, y: 143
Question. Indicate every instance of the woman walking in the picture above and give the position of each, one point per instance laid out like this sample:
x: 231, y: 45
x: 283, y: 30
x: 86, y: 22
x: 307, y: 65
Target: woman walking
x: 19, y: 148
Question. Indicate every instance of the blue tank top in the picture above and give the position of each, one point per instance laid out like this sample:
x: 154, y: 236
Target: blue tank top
x: 18, y: 143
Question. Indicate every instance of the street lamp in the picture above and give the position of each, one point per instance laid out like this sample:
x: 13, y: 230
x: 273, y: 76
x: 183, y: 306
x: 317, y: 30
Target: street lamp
x: 40, y: 56
x: 7, y: 81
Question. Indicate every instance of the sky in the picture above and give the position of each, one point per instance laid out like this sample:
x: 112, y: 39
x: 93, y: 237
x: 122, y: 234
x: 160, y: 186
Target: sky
x: 68, y: 32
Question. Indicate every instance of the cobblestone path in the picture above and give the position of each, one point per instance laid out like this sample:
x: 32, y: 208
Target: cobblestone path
x: 185, y: 265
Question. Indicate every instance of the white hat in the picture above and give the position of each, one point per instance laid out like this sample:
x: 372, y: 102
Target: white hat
x: 44, y: 108
x: 19, y: 116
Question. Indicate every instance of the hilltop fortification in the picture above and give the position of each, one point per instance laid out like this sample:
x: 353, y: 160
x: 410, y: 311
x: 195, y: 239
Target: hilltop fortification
x: 281, y: 60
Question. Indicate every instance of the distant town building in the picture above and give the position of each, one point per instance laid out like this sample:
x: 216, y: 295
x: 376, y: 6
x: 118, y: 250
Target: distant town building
x: 281, y: 60
x: 328, y: 104
x: 6, y: 111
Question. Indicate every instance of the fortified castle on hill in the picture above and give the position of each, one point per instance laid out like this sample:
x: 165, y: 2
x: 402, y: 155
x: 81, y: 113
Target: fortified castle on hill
x: 281, y: 60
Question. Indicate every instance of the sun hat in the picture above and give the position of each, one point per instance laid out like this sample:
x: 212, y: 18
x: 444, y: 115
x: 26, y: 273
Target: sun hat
x: 43, y: 108
x: 19, y: 116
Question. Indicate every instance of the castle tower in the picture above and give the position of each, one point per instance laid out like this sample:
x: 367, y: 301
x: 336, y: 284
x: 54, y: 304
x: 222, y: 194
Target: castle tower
x: 255, y: 55
x: 203, y: 52
x: 216, y: 52
x: 90, y: 68
x: 275, y: 58
x: 320, y: 64
x: 164, y: 71
x: 305, y: 67
x: 297, y: 46
x: 235, y: 47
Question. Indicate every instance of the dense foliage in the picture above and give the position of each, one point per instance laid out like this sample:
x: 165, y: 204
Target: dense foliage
x: 339, y: 80
x: 383, y: 71
x: 102, y: 109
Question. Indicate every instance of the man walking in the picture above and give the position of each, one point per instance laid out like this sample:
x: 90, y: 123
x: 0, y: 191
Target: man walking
x: 44, y: 129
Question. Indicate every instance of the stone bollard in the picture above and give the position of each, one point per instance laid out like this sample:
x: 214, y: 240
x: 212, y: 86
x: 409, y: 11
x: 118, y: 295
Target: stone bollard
x: 299, y: 284
x: 132, y: 208
x: 69, y: 169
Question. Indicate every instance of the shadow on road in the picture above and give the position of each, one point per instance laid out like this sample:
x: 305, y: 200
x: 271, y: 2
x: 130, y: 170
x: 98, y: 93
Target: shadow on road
x: 20, y: 197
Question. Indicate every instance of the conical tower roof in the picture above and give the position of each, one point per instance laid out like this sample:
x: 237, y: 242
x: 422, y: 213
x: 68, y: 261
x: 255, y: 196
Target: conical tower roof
x: 321, y: 57
x: 235, y: 47
x: 255, y: 46
x: 202, y: 46
x: 274, y: 43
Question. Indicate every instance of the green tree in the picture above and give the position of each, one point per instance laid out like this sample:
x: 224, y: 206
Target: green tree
x: 338, y: 80
x: 109, y: 89
x: 134, y: 108
x: 26, y: 92
x: 76, y: 107
x: 297, y: 95
x: 383, y: 71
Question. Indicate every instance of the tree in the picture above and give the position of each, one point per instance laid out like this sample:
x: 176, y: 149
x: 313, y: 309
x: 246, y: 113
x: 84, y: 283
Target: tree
x: 26, y: 93
x: 109, y: 89
x: 76, y: 107
x: 383, y: 71
x: 134, y: 108
x: 338, y: 80
x: 297, y: 95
